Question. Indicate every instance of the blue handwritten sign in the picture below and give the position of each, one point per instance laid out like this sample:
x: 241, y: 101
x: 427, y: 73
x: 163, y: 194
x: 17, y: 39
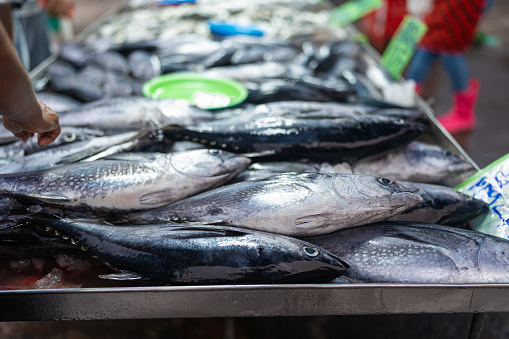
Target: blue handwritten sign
x: 491, y: 185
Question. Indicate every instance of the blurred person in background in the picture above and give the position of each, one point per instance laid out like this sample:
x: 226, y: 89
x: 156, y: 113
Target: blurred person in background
x: 22, y: 113
x: 60, y: 14
x: 381, y: 24
x: 31, y: 21
x: 451, y: 27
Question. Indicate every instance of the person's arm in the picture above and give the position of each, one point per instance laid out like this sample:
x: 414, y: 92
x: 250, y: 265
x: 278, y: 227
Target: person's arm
x: 22, y: 113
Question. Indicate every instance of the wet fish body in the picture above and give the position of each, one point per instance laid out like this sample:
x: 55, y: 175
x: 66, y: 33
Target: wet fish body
x: 134, y: 113
x: 262, y: 170
x: 341, y: 139
x: 58, y: 102
x: 405, y: 252
x: 417, y: 162
x: 181, y: 254
x: 74, y: 152
x: 295, y: 204
x: 125, y: 184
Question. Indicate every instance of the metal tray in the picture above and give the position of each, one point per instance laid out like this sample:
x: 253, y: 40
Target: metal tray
x: 257, y: 300
x: 251, y: 301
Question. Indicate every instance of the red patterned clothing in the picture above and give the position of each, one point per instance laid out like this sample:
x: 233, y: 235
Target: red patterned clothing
x: 451, y: 25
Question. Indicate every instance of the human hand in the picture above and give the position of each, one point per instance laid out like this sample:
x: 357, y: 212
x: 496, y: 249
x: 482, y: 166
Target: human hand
x: 46, y: 126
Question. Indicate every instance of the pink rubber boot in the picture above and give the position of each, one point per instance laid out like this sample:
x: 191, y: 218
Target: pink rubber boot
x: 461, y: 117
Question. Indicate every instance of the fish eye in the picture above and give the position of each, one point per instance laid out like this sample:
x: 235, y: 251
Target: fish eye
x: 70, y: 137
x: 310, y: 251
x: 214, y: 151
x: 385, y: 181
x: 447, y: 153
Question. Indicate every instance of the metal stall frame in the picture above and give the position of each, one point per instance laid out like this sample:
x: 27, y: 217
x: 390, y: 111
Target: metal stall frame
x: 251, y: 301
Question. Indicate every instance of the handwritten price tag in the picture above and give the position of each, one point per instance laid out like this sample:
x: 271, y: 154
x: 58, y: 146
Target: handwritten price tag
x: 352, y: 11
x: 402, y: 46
x: 491, y: 185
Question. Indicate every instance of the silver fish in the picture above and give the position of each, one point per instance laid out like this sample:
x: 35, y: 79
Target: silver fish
x: 441, y: 205
x: 134, y: 113
x: 406, y: 252
x: 295, y: 204
x: 58, y: 102
x: 18, y: 149
x: 74, y: 152
x: 125, y: 185
x: 417, y: 162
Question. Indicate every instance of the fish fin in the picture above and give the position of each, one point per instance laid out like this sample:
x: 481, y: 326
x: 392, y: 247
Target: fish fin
x: 259, y: 154
x: 122, y: 147
x: 123, y: 275
x: 208, y: 231
x: 51, y: 197
x: 72, y: 158
x: 313, y: 221
x: 157, y: 197
x: 216, y: 222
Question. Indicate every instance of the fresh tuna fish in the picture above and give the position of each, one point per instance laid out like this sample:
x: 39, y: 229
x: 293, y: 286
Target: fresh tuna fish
x: 74, y: 152
x: 134, y: 113
x: 296, y: 204
x: 151, y: 181
x: 418, y: 162
x: 313, y: 109
x: 347, y: 138
x: 441, y: 205
x: 180, y: 254
x: 404, y: 252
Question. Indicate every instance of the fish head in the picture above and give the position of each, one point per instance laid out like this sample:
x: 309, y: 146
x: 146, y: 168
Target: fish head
x: 295, y: 260
x: 208, y: 163
x: 436, y: 160
x: 71, y: 134
x: 376, y: 197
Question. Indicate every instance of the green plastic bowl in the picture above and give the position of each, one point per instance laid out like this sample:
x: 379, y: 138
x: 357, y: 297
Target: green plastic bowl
x: 201, y: 91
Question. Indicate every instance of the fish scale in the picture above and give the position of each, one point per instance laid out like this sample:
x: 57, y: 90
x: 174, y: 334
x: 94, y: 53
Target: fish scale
x: 347, y: 138
x: 293, y: 204
x: 125, y: 185
x: 410, y: 252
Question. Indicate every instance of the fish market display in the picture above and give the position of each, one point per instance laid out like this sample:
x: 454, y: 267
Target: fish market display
x: 160, y: 190
x: 178, y: 254
x: 347, y: 138
x: 441, y: 205
x: 399, y: 252
x: 151, y: 181
x: 296, y: 204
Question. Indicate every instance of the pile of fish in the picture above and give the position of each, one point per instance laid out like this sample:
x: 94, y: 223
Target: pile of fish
x: 313, y: 179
